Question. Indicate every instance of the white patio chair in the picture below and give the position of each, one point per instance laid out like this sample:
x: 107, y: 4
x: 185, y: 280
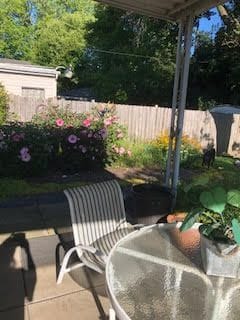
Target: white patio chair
x: 98, y: 222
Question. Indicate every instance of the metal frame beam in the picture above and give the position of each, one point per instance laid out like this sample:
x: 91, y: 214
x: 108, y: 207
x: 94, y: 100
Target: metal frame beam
x: 179, y: 103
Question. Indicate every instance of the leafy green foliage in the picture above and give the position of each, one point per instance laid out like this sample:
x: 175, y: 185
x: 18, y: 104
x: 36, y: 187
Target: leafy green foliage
x: 190, y: 219
x: 234, y: 198
x: 59, y: 140
x: 131, y: 58
x: 217, y: 58
x: 16, y: 29
x: 220, y: 220
x: 154, y: 153
x: 199, y: 181
x: 214, y: 200
x: 236, y: 230
x: 3, y: 104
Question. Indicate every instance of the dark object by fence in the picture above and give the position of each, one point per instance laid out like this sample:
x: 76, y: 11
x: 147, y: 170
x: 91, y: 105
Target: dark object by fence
x: 150, y: 202
x: 209, y: 157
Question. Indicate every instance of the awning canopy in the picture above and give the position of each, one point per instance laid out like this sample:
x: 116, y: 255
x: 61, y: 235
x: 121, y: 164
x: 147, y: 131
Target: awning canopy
x: 172, y: 10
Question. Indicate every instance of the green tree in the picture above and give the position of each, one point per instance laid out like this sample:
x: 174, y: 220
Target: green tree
x: 60, y: 31
x: 130, y: 58
x: 228, y: 49
x: 16, y: 29
x: 46, y: 32
x: 215, y: 67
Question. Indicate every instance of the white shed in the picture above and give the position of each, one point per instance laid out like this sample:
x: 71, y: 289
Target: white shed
x: 24, y: 79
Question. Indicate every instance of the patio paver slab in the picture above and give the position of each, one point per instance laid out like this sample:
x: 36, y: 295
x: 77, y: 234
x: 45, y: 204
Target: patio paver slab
x: 75, y: 306
x: 40, y: 281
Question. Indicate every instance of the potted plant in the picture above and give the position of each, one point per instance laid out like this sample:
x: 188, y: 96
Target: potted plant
x: 219, y: 217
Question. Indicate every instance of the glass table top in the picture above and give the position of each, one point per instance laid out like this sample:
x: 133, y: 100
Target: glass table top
x: 156, y: 273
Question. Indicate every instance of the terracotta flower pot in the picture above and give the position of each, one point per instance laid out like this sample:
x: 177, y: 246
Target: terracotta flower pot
x: 176, y: 217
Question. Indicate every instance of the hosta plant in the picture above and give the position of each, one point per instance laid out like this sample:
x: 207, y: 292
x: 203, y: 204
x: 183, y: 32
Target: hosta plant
x: 219, y: 215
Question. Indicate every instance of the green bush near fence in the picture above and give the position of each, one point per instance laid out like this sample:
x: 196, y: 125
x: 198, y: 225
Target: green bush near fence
x: 3, y: 104
x: 61, y: 141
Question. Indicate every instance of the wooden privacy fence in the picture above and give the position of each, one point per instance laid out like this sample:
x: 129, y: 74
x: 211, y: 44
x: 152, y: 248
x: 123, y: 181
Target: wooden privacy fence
x: 145, y: 123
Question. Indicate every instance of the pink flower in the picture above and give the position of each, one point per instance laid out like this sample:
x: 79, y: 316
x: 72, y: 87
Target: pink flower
x: 129, y: 152
x: 24, y: 150
x: 72, y: 138
x: 108, y: 122
x: 25, y: 157
x: 121, y: 150
x: 59, y: 122
x: 87, y: 122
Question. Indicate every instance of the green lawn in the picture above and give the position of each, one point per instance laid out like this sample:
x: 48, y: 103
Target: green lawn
x: 10, y: 188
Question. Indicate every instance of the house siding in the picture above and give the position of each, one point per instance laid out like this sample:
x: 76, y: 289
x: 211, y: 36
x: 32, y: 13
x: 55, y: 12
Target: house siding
x: 14, y: 83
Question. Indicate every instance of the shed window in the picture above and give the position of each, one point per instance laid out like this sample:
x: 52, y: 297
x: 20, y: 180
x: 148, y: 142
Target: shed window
x: 38, y: 93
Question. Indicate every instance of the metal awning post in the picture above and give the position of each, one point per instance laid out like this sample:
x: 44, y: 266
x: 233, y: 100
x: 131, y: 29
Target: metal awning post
x: 181, y: 101
x: 179, y: 56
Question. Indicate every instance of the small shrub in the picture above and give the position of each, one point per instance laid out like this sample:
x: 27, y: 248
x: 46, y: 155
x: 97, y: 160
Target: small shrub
x: 3, y: 104
x: 205, y: 104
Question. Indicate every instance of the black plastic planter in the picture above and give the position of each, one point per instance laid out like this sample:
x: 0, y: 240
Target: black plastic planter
x: 151, y: 202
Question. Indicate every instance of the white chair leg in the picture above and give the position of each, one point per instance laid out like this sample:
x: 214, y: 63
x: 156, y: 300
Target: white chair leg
x: 112, y: 314
x: 64, y: 269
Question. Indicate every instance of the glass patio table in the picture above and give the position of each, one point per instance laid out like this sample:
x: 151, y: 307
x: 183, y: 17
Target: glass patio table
x: 156, y: 273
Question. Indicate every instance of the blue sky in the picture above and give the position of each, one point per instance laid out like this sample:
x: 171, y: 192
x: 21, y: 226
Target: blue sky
x: 214, y: 22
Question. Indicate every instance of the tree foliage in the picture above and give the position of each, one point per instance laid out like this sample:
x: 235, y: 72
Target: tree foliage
x: 44, y: 31
x: 130, y: 57
x: 215, y: 69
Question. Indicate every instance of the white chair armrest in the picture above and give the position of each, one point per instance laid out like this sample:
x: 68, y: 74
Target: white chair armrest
x: 138, y: 226
x: 93, y: 250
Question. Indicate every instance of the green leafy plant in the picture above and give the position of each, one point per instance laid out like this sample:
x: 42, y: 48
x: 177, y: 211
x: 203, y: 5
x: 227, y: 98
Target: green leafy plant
x: 219, y: 214
x: 3, y: 104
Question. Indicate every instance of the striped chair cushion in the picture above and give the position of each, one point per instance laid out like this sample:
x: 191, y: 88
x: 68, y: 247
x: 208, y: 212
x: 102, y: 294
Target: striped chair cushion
x: 105, y: 244
x: 98, y: 216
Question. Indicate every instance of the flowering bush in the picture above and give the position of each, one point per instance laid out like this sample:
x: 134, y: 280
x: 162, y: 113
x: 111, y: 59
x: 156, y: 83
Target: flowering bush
x: 61, y: 140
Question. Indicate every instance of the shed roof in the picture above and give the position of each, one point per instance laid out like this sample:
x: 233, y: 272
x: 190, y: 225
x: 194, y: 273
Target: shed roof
x: 26, y: 68
x: 172, y: 10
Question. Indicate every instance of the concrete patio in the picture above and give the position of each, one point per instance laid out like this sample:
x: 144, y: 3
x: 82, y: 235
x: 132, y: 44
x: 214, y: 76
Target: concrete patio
x: 28, y: 266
